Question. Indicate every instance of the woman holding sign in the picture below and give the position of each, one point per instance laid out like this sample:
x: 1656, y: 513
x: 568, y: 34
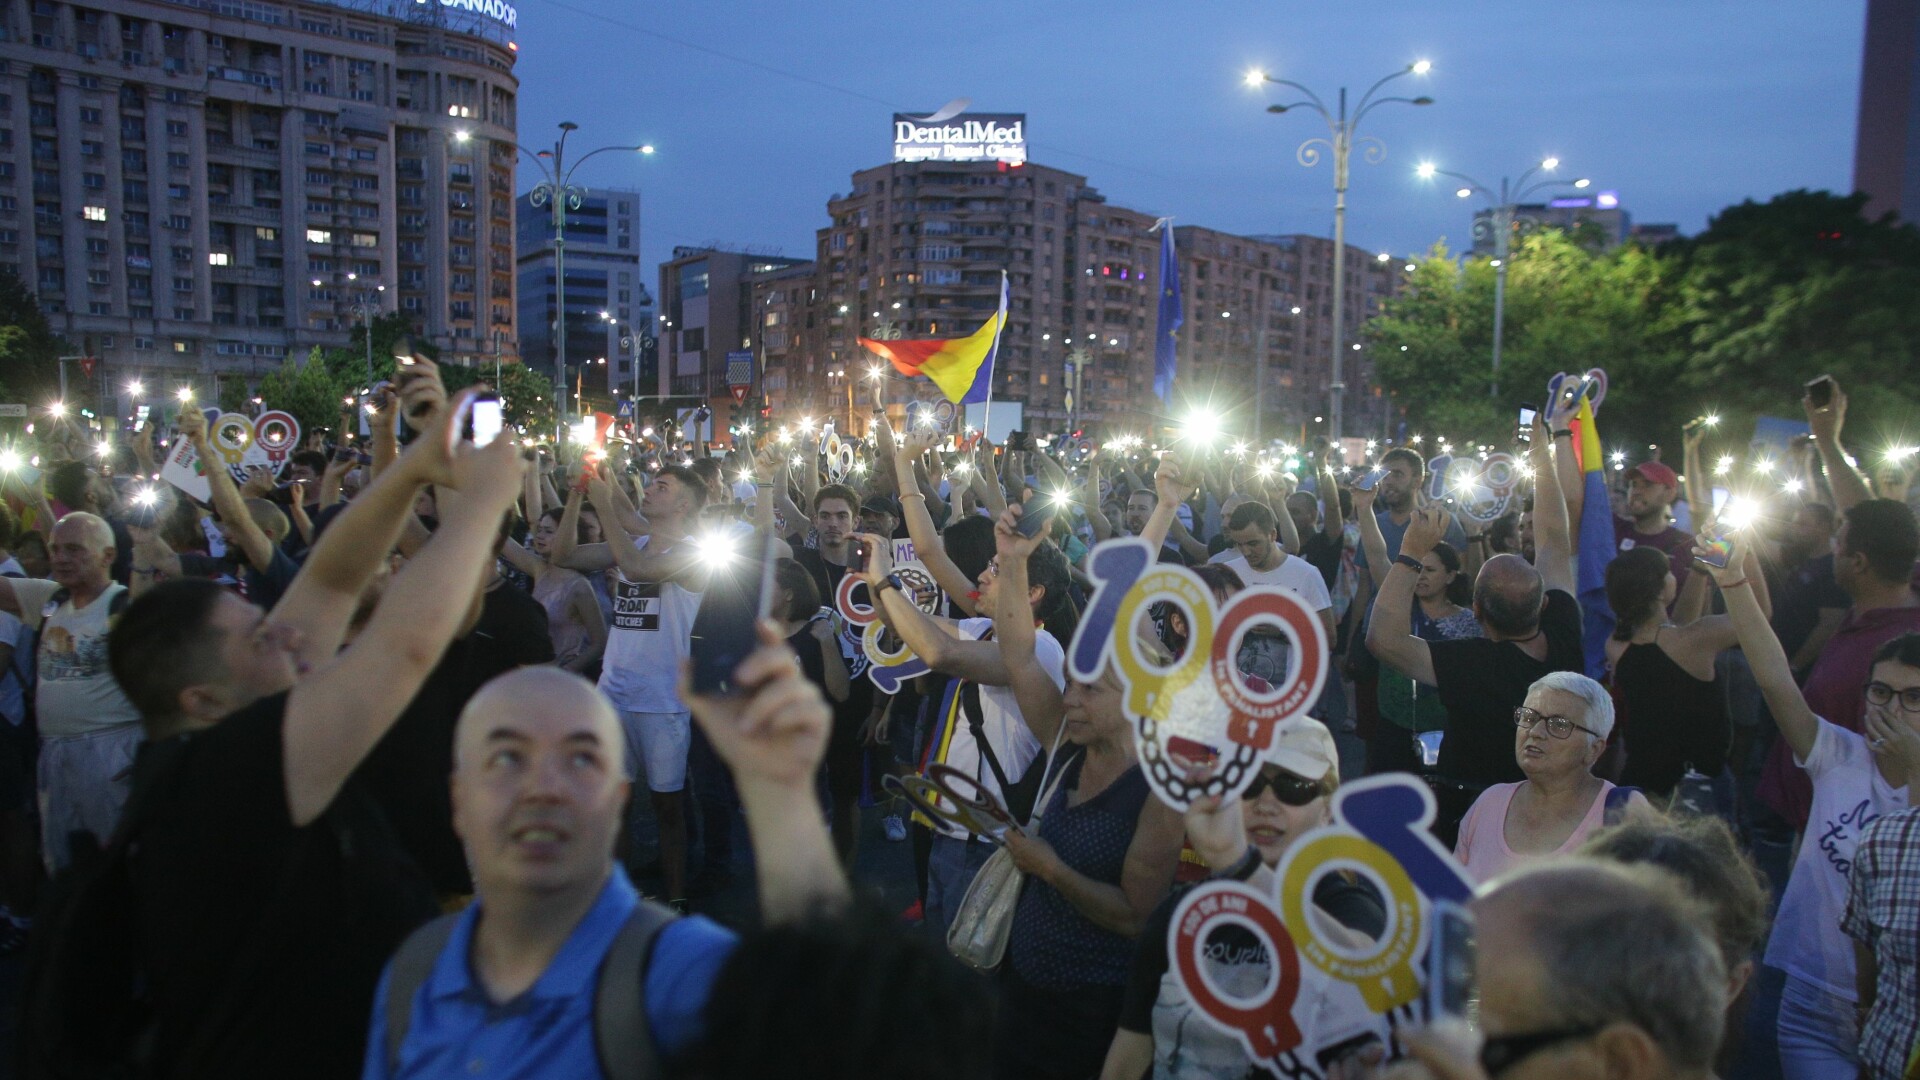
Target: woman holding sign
x: 1101, y: 859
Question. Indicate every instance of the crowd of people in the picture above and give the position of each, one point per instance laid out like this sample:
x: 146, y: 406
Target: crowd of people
x: 338, y: 771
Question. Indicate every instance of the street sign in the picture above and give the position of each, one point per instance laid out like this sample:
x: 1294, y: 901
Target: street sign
x: 87, y: 364
x: 739, y: 393
x: 739, y: 373
x: 626, y: 408
x: 17, y: 412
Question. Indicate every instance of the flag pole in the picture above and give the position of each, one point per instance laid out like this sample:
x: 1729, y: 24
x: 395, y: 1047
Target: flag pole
x: 993, y: 355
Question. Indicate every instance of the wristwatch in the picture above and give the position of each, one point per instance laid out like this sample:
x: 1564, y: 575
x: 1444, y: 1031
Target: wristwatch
x: 891, y: 580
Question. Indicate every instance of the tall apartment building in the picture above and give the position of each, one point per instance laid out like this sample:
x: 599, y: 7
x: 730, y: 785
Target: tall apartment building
x: 606, y: 289
x: 200, y: 188
x: 919, y: 247
x: 1274, y: 295
x: 707, y: 311
x: 783, y: 306
x: 1569, y: 213
x: 1886, y: 150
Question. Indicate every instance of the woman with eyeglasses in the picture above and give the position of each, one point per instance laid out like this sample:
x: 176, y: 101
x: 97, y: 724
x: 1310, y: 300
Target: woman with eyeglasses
x: 1857, y: 779
x: 1160, y: 1032
x: 1559, y: 733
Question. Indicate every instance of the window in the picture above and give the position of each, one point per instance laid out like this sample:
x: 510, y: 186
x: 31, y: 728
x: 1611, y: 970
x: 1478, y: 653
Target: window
x: 179, y: 221
x: 366, y: 240
x: 319, y: 236
x: 177, y: 127
x: 98, y: 308
x: 143, y: 344
x: 178, y: 191
x: 94, y: 213
x: 265, y: 232
x: 89, y: 116
x: 183, y: 314
x: 99, y: 277
x: 219, y: 258
x: 183, y: 284
x: 177, y: 159
x: 96, y: 245
x: 182, y: 346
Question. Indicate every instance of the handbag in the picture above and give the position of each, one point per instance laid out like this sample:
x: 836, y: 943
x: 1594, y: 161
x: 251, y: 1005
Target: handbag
x: 983, y: 924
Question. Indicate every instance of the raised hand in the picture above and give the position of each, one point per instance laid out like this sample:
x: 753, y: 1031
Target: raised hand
x: 774, y: 732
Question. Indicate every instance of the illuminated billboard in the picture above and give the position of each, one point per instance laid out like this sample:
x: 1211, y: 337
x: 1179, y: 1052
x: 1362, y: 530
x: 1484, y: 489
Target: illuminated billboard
x: 1000, y: 137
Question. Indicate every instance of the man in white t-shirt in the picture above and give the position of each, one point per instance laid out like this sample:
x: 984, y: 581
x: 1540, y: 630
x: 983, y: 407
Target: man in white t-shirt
x: 656, y: 596
x: 88, y: 729
x: 1255, y: 533
x: 979, y: 692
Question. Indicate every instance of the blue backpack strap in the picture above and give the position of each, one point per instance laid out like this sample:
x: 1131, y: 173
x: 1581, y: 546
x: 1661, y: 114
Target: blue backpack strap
x: 1617, y: 800
x: 412, y: 964
x: 622, y: 1036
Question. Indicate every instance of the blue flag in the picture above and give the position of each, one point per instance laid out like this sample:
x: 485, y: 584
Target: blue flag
x: 1167, y: 323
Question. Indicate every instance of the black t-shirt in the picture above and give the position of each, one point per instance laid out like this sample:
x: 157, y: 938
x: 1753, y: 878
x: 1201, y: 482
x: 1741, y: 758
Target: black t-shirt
x: 1352, y: 902
x: 1482, y: 681
x: 264, y: 589
x: 848, y: 715
x: 1799, y: 598
x: 1322, y: 552
x: 407, y: 771
x: 279, y: 930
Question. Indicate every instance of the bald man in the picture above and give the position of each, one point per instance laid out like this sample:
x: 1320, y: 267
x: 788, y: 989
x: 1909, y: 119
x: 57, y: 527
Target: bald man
x: 1588, y: 969
x: 1532, y: 627
x: 510, y: 985
x: 88, y: 729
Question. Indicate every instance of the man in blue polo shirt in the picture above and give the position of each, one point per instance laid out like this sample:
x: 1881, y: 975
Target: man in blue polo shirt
x: 538, y: 790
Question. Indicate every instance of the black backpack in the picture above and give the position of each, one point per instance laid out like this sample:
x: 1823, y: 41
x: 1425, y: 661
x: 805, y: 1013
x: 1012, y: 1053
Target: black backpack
x: 621, y: 1036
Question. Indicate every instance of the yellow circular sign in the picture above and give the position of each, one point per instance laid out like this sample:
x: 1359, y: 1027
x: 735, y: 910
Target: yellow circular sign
x: 1385, y: 976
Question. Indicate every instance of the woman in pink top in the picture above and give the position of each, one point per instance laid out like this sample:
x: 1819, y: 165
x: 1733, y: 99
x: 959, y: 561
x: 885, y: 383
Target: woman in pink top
x: 1558, y: 734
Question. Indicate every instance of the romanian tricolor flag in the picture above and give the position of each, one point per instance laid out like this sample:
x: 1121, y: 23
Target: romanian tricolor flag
x: 961, y: 367
x: 1596, y: 544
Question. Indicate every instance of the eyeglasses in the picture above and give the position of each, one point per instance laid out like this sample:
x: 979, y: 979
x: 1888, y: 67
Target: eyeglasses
x: 1288, y: 788
x: 1879, y: 693
x: 1502, y: 1052
x: 1557, y: 726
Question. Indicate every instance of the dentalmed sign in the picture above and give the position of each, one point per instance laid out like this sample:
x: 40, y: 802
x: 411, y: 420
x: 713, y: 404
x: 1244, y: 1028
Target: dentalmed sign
x: 965, y: 137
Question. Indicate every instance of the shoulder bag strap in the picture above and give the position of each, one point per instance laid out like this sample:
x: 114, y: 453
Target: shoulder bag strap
x: 622, y: 1035
x: 976, y: 723
x: 1048, y: 783
x: 412, y: 963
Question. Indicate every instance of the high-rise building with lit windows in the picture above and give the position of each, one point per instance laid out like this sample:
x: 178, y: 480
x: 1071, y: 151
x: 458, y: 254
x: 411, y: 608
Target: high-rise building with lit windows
x: 198, y: 189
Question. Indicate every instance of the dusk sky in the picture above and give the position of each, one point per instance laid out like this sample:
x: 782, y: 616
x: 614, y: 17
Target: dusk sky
x: 761, y: 111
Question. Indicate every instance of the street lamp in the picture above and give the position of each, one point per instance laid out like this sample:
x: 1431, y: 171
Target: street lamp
x: 366, y: 304
x: 1340, y: 140
x: 1500, y: 221
x: 558, y: 190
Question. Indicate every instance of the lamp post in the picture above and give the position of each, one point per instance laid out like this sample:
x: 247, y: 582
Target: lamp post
x: 558, y: 190
x: 1339, y: 142
x: 1500, y: 221
x: 1077, y: 359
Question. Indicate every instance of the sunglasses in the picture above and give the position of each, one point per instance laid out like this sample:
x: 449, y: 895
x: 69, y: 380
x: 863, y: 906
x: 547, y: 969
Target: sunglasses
x: 1288, y: 788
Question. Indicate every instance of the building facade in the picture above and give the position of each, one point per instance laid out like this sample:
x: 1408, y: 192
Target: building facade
x: 199, y: 190
x: 606, y: 290
x: 1600, y: 212
x: 1886, y: 152
x: 708, y: 317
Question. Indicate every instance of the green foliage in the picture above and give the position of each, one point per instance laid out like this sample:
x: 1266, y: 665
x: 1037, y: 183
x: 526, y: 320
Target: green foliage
x: 308, y: 391
x: 1733, y: 320
x: 29, y: 349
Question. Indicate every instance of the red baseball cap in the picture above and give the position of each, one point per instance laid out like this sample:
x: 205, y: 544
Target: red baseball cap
x: 1654, y: 472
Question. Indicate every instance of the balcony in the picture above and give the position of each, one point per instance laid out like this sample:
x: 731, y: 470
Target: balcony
x: 247, y: 275
x: 230, y: 212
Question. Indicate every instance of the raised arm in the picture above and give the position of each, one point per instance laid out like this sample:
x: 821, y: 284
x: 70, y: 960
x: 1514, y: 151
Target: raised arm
x: 297, y: 509
x: 635, y: 562
x: 987, y: 479
x: 1333, y: 523
x: 1372, y: 540
x: 1849, y: 487
x: 247, y: 536
x: 1796, y: 721
x: 1552, y: 533
x: 927, y: 544
x: 336, y: 715
x: 1390, y: 634
x: 936, y: 641
x: 1090, y: 502
x: 772, y: 738
x: 1033, y: 687
x: 1564, y: 466
x: 566, y: 549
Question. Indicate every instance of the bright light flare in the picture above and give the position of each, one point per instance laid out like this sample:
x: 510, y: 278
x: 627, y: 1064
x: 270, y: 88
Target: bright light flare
x: 1254, y: 77
x: 1740, y: 512
x: 103, y: 448
x: 10, y: 461
x: 185, y: 394
x: 146, y: 497
x: 1724, y: 465
x: 1550, y: 163
x: 715, y: 549
x: 58, y: 408
x: 1764, y: 466
x: 1792, y: 486
x: 1901, y: 453
x: 136, y: 388
x: 1421, y: 67
x: 1426, y: 170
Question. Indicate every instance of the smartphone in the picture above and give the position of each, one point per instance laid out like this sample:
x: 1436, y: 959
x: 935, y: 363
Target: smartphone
x: 857, y: 558
x: 1035, y: 516
x: 1018, y: 442
x: 403, y: 351
x: 488, y: 418
x: 1820, y: 392
x: 738, y: 595
x: 1451, y: 988
x: 1370, y: 480
x: 1527, y: 414
x: 1717, y: 539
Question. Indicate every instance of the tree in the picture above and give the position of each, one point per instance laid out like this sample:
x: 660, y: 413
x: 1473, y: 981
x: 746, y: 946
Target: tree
x: 29, y: 349
x: 307, y: 391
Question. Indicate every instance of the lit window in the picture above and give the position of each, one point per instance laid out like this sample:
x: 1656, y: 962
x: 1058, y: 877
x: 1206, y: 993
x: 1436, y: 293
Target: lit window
x: 94, y: 213
x: 219, y: 258
x: 319, y: 236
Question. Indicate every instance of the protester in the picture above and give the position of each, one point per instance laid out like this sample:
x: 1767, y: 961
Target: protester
x: 1263, y: 561
x: 88, y: 729
x: 1883, y: 918
x: 1245, y: 840
x: 657, y: 595
x: 1585, y: 969
x: 261, y: 949
x: 516, y: 980
x: 1808, y: 603
x: 1440, y: 591
x: 1532, y: 625
x: 73, y: 487
x: 981, y: 730
x: 1856, y: 779
x: 574, y: 621
x: 1559, y: 734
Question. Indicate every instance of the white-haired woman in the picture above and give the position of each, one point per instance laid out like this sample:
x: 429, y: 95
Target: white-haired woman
x: 1558, y: 734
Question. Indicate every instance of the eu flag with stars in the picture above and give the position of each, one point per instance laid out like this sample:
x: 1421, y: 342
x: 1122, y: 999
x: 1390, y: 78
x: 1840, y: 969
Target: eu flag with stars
x: 1169, y: 319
